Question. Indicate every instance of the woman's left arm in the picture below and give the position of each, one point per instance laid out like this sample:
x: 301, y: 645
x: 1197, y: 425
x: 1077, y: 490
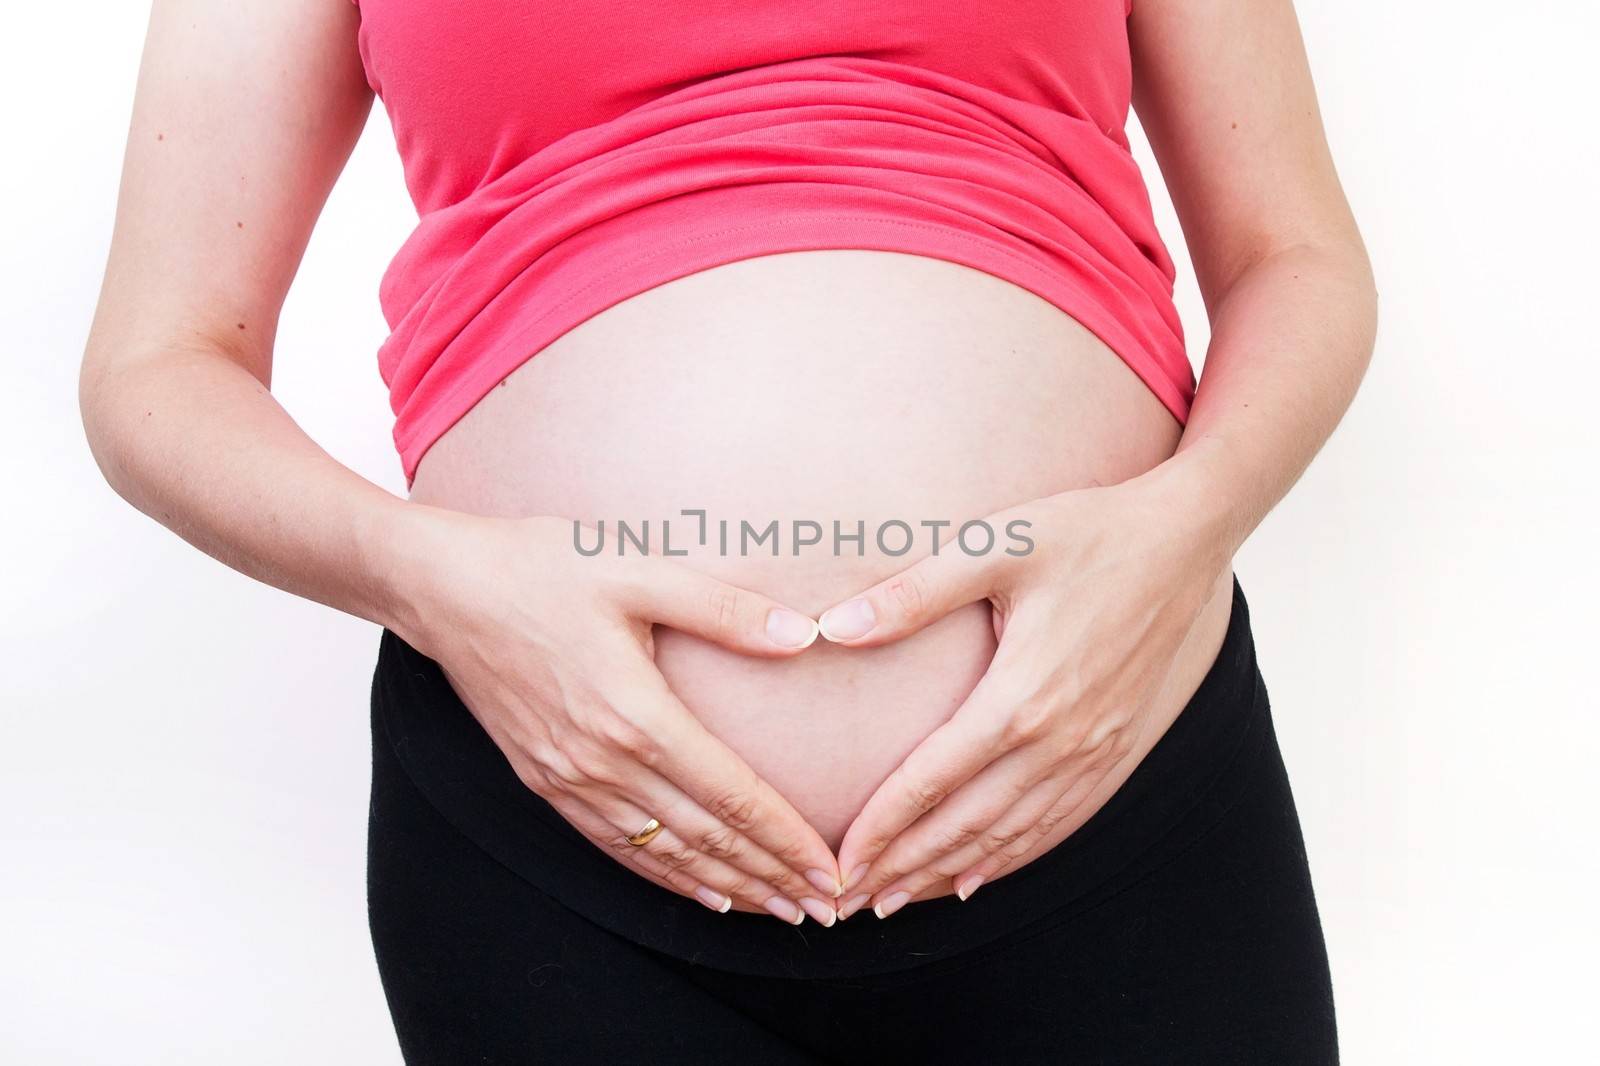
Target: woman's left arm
x: 1092, y: 619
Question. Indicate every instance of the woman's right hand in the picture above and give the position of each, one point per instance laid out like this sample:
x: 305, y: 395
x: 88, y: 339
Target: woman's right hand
x: 552, y: 652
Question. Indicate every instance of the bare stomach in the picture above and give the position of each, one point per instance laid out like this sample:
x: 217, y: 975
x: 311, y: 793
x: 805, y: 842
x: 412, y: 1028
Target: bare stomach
x: 861, y: 387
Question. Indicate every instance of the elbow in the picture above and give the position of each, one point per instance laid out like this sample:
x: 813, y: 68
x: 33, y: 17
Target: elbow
x: 1344, y: 263
x: 1353, y: 282
x: 1363, y: 277
x: 1345, y: 275
x: 1339, y: 263
x: 1343, y: 270
x: 102, y: 410
x: 1363, y: 283
x: 98, y: 423
x: 1348, y: 249
x: 91, y: 385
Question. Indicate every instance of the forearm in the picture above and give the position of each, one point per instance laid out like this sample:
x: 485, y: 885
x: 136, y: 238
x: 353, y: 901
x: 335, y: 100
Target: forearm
x: 196, y: 442
x: 1291, y: 340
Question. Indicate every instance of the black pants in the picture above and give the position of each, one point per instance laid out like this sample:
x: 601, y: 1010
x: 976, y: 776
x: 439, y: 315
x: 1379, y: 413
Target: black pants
x: 1177, y: 926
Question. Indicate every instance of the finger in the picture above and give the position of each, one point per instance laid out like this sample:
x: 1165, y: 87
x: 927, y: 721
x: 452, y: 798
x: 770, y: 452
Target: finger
x: 985, y: 815
x: 965, y: 817
x: 910, y: 600
x: 702, y: 832
x: 715, y: 891
x: 992, y: 837
x: 1032, y: 818
x: 1067, y: 806
x: 1109, y: 750
x: 1023, y: 825
x: 670, y: 741
x: 604, y: 835
x: 765, y: 835
x: 979, y: 733
x: 738, y: 619
x: 670, y: 848
x: 584, y: 798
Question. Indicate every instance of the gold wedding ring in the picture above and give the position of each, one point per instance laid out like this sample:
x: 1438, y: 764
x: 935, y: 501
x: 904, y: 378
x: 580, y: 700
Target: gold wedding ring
x: 647, y: 834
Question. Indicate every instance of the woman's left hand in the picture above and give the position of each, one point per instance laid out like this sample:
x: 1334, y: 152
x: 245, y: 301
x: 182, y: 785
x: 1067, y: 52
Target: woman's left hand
x: 1089, y: 623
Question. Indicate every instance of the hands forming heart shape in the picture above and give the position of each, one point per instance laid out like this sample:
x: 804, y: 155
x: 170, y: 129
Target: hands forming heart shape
x: 1089, y: 623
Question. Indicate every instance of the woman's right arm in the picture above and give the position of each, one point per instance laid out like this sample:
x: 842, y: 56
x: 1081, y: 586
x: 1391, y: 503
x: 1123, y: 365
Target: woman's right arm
x: 243, y: 118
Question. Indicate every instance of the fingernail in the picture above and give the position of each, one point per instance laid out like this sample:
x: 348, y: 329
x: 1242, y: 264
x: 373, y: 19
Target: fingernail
x: 715, y: 900
x: 969, y: 887
x: 786, y: 910
x: 853, y: 905
x: 787, y: 629
x: 848, y: 620
x: 894, y: 902
x: 855, y: 875
x: 820, y: 912
x: 824, y: 882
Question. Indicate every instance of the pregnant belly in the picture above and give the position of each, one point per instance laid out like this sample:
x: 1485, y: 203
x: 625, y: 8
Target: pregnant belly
x: 857, y: 387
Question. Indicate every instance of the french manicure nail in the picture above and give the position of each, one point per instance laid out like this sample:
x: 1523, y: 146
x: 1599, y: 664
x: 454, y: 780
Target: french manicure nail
x: 824, y: 882
x: 785, y: 909
x: 853, y: 905
x: 715, y: 900
x: 969, y: 887
x: 855, y: 875
x: 820, y: 912
x: 787, y: 629
x: 848, y: 620
x: 894, y: 902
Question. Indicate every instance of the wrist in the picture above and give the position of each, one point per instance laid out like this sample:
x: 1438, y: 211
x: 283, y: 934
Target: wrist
x: 1198, y: 494
x: 404, y: 545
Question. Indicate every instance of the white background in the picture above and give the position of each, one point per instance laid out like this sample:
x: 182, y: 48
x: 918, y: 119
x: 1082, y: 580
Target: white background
x: 184, y: 761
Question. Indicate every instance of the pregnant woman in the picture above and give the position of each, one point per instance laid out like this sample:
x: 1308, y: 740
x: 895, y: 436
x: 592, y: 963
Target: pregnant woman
x: 810, y: 634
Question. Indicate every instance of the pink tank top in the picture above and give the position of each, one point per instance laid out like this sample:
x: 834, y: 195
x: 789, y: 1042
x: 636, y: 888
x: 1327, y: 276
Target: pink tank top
x: 564, y: 157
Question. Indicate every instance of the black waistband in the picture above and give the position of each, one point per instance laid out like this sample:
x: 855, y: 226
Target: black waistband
x: 1187, y: 781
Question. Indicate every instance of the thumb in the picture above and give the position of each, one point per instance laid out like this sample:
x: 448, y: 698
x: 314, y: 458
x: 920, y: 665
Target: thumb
x: 738, y: 619
x: 913, y: 599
